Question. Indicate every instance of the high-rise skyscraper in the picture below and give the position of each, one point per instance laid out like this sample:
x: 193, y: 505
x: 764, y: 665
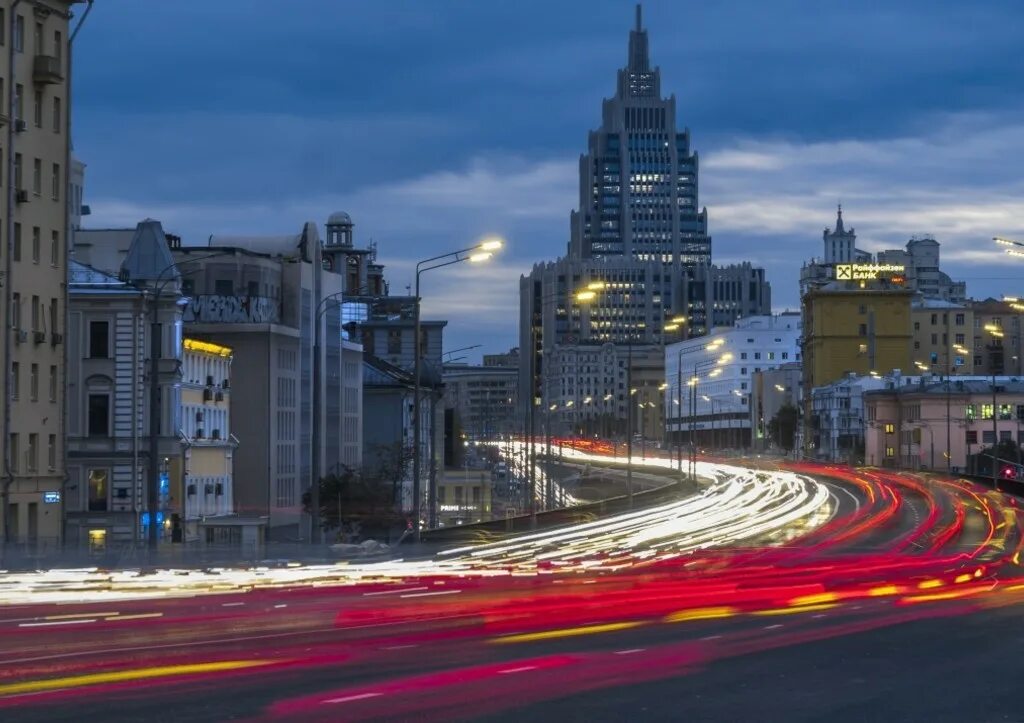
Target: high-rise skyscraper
x: 640, y: 234
x: 638, y: 179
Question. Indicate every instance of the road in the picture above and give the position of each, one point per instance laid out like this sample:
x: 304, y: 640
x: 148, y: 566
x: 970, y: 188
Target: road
x: 801, y: 593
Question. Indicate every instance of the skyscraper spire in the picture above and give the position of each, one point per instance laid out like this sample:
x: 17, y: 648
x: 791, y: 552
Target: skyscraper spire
x: 639, y: 60
x: 839, y: 219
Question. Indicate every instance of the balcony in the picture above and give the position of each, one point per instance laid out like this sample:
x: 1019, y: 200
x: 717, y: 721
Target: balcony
x: 46, y: 70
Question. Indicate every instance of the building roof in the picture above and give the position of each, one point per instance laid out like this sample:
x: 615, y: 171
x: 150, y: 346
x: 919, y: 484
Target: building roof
x: 339, y: 218
x: 149, y: 258
x: 86, y: 279
x: 975, y: 386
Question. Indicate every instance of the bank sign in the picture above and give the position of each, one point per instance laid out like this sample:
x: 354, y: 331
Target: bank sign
x: 860, y: 272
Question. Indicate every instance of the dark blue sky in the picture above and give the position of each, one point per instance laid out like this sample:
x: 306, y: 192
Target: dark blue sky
x: 434, y: 123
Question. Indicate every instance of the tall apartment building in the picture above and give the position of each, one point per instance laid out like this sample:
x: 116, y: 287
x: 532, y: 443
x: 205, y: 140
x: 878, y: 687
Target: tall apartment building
x: 34, y: 158
x: 639, y: 230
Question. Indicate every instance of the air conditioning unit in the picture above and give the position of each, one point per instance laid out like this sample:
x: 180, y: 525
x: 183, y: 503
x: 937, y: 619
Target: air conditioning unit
x: 21, y: 195
x: 39, y: 337
x: 56, y: 338
x: 20, y: 126
x: 20, y: 336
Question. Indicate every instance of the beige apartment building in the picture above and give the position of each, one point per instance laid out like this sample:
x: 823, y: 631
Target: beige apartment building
x: 34, y: 157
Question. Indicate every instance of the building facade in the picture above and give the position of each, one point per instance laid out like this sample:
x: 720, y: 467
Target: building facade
x: 940, y: 424
x: 484, y: 399
x: 208, y: 446
x: 943, y: 336
x: 771, y: 390
x: 34, y: 159
x: 109, y: 448
x: 263, y: 298
x: 997, y: 332
x: 838, y: 420
x: 724, y: 364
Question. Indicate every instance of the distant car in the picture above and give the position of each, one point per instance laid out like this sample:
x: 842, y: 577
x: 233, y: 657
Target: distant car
x: 1011, y: 471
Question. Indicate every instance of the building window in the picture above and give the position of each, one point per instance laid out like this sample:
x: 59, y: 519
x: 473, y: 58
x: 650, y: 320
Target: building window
x: 56, y: 115
x: 36, y: 243
x: 32, y: 454
x: 13, y: 445
x: 37, y: 111
x: 98, y: 491
x: 17, y: 172
x: 15, y: 379
x: 971, y: 436
x: 16, y: 253
x: 19, y: 33
x: 37, y: 176
x: 99, y: 415
x: 959, y: 320
x: 51, y: 452
x: 33, y: 383
x: 988, y: 437
x: 890, y: 428
x: 1005, y: 411
x: 987, y: 411
x: 56, y: 182
x: 862, y: 330
x: 54, y: 249
x: 890, y: 451
x: 394, y: 341
x: 959, y: 339
x: 53, y: 382
x: 99, y: 340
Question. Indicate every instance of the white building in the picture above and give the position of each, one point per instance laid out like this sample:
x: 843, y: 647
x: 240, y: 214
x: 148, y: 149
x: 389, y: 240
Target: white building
x: 837, y: 418
x: 723, y: 364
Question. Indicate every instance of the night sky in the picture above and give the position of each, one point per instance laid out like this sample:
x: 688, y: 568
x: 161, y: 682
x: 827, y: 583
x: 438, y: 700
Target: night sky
x: 437, y: 123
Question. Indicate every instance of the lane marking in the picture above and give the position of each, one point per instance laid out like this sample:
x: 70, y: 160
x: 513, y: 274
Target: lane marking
x: 79, y: 615
x: 436, y: 592
x: 394, y: 592
x: 56, y: 622
x: 564, y: 633
x: 276, y: 607
x: 398, y: 647
x: 520, y: 669
x: 116, y: 676
x: 138, y: 616
x: 231, y: 605
x: 773, y: 627
x: 711, y: 637
x: 348, y: 698
x: 630, y: 651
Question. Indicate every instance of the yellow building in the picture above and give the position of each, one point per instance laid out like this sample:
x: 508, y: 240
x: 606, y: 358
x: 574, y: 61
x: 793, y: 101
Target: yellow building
x: 206, y: 489
x: 943, y: 337
x: 856, y: 326
x: 34, y: 160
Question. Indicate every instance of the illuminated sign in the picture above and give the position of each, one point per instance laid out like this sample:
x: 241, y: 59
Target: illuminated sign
x: 860, y: 272
x: 51, y: 498
x: 205, y: 346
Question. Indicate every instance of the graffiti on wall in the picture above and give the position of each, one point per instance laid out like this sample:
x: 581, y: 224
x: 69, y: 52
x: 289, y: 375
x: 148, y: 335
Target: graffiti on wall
x: 213, y: 309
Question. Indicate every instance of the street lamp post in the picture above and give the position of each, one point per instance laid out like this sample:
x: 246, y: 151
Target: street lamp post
x: 480, y: 252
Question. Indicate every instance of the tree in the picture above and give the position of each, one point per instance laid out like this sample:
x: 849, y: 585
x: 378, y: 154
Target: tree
x: 783, y: 427
x: 353, y: 505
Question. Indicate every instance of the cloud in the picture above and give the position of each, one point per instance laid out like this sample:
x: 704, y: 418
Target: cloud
x: 768, y: 200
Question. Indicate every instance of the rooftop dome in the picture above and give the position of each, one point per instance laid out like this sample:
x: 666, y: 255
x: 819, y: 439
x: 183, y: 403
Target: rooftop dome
x: 339, y: 218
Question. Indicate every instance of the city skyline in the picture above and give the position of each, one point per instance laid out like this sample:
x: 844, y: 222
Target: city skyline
x: 889, y: 122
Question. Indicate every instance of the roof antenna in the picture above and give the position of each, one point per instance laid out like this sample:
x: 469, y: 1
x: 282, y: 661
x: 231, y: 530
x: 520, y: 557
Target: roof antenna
x: 639, y: 11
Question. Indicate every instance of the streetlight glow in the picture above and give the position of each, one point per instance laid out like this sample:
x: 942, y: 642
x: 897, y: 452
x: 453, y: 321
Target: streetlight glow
x: 480, y: 256
x: 586, y: 295
x: 596, y: 285
x: 491, y: 244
